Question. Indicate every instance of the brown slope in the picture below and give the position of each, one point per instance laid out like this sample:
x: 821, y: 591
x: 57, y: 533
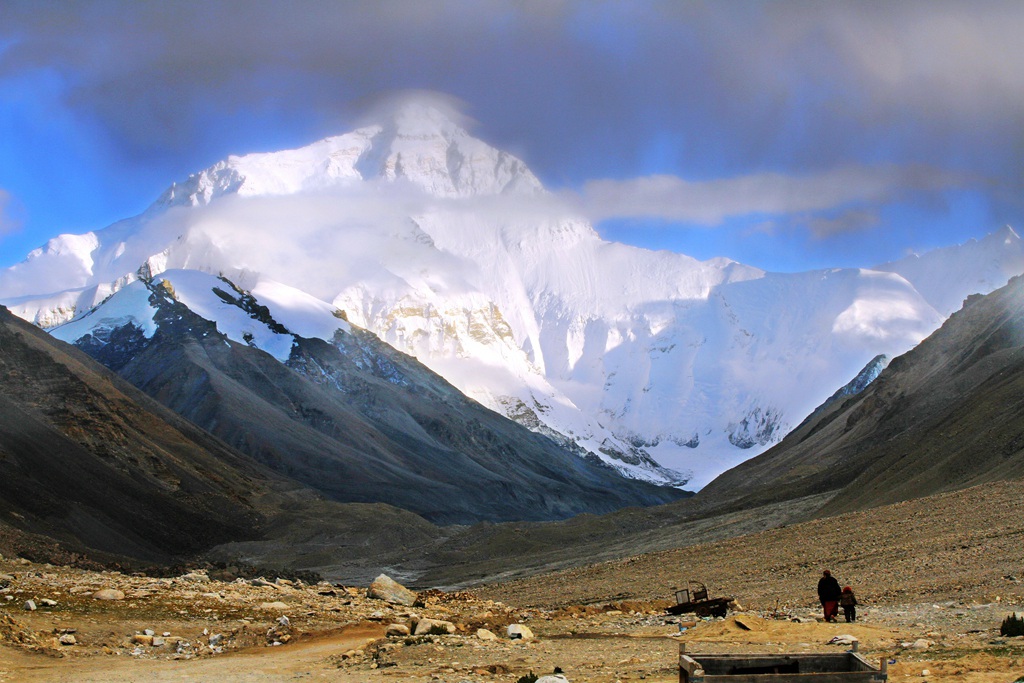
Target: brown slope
x: 961, y: 545
x: 88, y: 459
x: 942, y: 417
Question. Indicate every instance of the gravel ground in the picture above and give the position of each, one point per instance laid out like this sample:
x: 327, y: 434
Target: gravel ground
x: 936, y: 577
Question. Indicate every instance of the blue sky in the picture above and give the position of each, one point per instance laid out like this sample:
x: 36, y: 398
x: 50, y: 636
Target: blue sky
x: 785, y: 135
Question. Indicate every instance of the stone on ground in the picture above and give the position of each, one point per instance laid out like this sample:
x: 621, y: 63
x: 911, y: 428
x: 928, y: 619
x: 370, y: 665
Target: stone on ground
x: 387, y: 589
x: 433, y: 626
x: 108, y: 594
x: 519, y: 632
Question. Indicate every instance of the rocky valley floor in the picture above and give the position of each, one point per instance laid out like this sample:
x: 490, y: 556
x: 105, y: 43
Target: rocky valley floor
x: 936, y: 576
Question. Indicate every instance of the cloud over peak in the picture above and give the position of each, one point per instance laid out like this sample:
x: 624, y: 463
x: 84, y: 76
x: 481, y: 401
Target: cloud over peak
x: 709, y: 203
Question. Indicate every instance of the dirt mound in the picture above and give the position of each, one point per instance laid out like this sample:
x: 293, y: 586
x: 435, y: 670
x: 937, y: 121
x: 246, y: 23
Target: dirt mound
x: 13, y: 632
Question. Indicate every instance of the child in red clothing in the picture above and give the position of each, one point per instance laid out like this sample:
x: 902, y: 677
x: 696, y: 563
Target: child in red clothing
x: 848, y: 602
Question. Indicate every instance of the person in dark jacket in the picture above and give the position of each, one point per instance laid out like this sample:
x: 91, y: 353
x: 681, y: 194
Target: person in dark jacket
x: 829, y: 594
x: 848, y: 601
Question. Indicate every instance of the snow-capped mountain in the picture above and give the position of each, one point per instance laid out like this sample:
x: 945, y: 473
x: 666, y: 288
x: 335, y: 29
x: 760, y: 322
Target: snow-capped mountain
x: 669, y: 368
x: 944, y: 277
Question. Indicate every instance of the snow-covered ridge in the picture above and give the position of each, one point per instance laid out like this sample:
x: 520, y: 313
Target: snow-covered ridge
x: 945, y: 276
x: 419, y: 146
x: 451, y: 250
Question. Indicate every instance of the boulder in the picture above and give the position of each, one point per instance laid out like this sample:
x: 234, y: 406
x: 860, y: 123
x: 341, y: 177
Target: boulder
x: 387, y: 589
x: 484, y: 634
x: 108, y: 594
x: 274, y: 606
x: 396, y: 630
x: 68, y: 639
x: 519, y: 632
x: 553, y: 678
x: 433, y: 626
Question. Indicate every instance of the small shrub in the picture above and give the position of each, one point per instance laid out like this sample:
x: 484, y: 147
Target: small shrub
x: 437, y: 630
x: 528, y: 678
x: 1012, y: 626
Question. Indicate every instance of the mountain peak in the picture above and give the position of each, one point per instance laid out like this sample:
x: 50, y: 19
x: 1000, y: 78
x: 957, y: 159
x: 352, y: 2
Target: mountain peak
x: 420, y: 138
x: 422, y: 115
x: 1005, y: 235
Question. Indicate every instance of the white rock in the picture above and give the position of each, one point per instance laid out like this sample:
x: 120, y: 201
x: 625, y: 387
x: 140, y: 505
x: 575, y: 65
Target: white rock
x: 553, y: 678
x: 271, y: 606
x: 484, y: 634
x: 108, y: 594
x: 387, y: 589
x: 427, y: 626
x: 397, y: 630
x: 519, y: 632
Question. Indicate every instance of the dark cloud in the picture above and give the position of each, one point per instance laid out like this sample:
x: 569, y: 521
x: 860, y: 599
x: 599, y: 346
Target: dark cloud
x: 853, y: 220
x: 580, y: 89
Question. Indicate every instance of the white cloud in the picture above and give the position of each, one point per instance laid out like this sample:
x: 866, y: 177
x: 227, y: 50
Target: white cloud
x: 711, y: 202
x: 363, y: 224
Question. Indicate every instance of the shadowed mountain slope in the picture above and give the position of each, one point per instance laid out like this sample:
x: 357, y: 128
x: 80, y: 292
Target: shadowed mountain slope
x: 358, y: 421
x: 944, y: 416
x: 87, y: 458
x: 92, y: 468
